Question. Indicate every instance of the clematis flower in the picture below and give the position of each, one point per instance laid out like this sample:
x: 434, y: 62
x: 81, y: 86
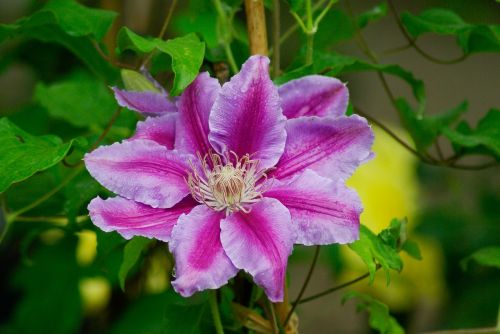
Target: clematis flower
x: 238, y: 175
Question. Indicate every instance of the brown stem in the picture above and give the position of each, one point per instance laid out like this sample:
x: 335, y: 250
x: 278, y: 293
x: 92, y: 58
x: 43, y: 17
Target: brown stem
x: 276, y: 37
x: 256, y: 25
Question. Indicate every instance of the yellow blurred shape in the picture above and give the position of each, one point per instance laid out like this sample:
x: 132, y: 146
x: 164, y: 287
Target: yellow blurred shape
x: 87, y: 247
x: 389, y: 189
x: 51, y: 236
x: 95, y: 293
x: 157, y: 272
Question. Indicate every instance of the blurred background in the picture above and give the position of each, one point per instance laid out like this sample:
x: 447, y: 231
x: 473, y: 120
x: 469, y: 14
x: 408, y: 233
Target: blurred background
x: 55, y: 279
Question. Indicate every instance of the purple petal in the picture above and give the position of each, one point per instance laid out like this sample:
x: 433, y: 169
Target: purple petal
x: 314, y: 95
x: 323, y: 211
x: 260, y: 242
x: 200, y: 260
x: 247, y: 118
x: 332, y: 147
x: 159, y: 129
x: 148, y: 103
x: 141, y: 170
x: 130, y: 218
x: 194, y: 109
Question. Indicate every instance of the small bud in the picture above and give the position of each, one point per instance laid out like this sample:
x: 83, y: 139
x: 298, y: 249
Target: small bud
x: 135, y: 81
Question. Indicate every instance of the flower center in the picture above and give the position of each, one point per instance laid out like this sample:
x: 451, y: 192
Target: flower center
x: 231, y: 186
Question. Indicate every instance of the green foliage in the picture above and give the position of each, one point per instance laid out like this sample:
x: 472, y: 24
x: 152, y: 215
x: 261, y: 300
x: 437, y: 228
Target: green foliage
x: 373, y: 14
x: 76, y: 105
x: 380, y: 318
x: 471, y: 38
x: 131, y: 254
x: 374, y: 251
x: 79, y: 99
x: 486, y: 136
x: 488, y: 256
x: 186, y: 52
x: 187, y: 56
x: 70, y: 24
x: 163, y: 313
x: 22, y: 155
x: 50, y: 301
x: 424, y: 129
x: 382, y: 250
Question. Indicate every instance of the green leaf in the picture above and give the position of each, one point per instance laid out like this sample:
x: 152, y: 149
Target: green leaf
x: 54, y: 23
x: 372, y: 250
x: 436, y: 20
x: 471, y: 38
x: 129, y: 40
x: 49, y: 285
x: 336, y: 64
x: 22, y: 155
x: 164, y: 313
x: 486, y: 135
x: 131, y: 254
x: 372, y: 15
x: 187, y: 56
x: 411, y: 248
x: 425, y: 129
x: 78, y: 193
x: 186, y: 52
x: 489, y: 256
x: 380, y: 318
x: 203, y: 22
x: 78, y: 20
x: 335, y: 27
x: 80, y: 99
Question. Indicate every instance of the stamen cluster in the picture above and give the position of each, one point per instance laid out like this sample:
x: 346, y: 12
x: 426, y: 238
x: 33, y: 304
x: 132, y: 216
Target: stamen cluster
x: 226, y: 183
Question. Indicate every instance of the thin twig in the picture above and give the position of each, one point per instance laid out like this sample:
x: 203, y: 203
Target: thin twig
x: 162, y: 32
x: 412, y: 42
x: 338, y: 287
x: 12, y: 216
x: 450, y: 162
x: 227, y: 37
x: 289, y: 32
x: 108, y: 58
x: 304, y: 286
x: 390, y: 133
x: 108, y: 127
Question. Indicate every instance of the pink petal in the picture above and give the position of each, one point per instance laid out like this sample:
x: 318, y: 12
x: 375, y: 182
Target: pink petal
x: 194, y: 107
x: 260, y: 242
x: 314, y: 95
x: 323, y: 211
x: 200, y: 260
x: 141, y: 170
x: 130, y: 218
x: 160, y: 129
x: 332, y: 147
x: 247, y: 118
x: 148, y: 103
